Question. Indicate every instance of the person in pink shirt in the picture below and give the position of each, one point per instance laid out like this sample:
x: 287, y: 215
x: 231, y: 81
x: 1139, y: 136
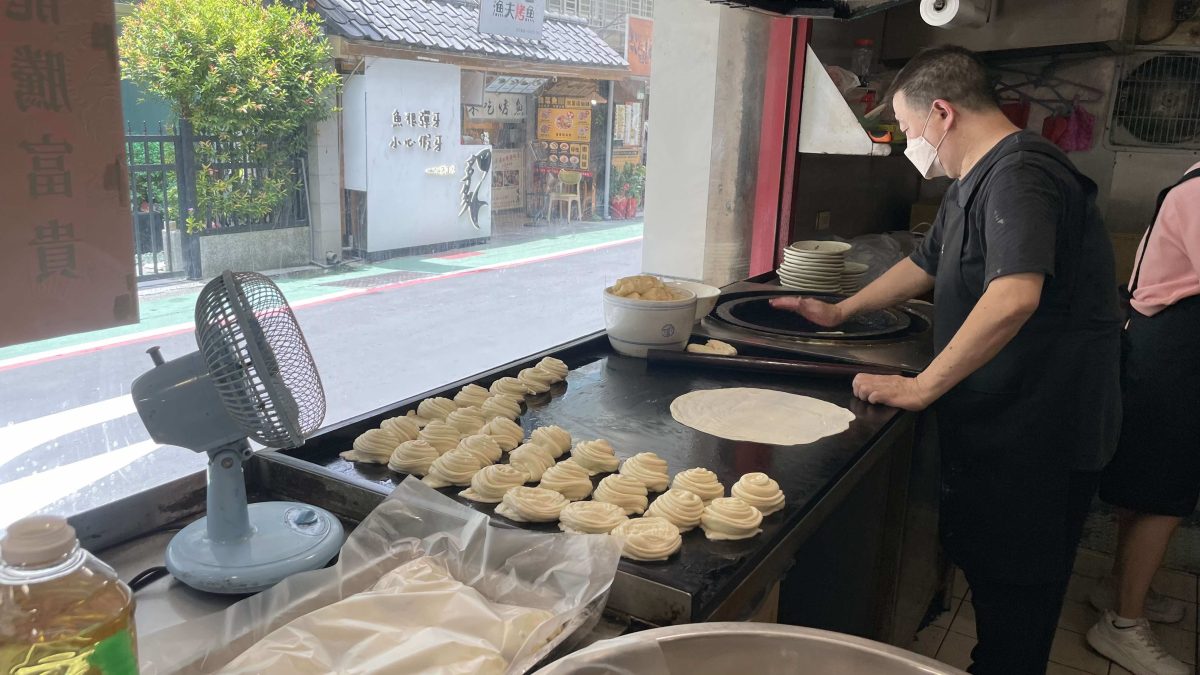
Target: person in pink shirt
x: 1154, y: 478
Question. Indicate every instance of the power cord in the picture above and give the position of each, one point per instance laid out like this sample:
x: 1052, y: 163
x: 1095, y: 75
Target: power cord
x: 146, y: 577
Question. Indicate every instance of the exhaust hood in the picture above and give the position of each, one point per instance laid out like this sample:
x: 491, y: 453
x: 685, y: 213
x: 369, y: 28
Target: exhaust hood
x: 832, y: 9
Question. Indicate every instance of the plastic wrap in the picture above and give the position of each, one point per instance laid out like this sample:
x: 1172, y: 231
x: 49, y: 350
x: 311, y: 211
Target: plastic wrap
x: 879, y: 252
x: 566, y: 575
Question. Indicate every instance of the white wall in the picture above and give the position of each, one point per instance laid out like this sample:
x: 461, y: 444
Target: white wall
x: 405, y: 206
x: 354, y: 133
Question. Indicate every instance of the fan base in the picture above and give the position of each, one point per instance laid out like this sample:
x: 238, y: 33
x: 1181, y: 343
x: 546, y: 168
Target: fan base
x: 285, y: 538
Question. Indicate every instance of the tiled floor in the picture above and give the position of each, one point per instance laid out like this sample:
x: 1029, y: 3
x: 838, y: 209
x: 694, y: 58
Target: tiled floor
x: 952, y: 636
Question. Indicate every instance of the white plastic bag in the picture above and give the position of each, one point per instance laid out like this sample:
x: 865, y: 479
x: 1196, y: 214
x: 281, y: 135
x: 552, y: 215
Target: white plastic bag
x: 566, y: 575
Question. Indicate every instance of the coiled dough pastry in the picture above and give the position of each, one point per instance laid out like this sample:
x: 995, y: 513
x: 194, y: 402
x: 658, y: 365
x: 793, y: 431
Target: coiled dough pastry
x: 441, y: 436
x: 537, y: 381
x: 730, y: 518
x: 553, y: 367
x: 403, y: 427
x: 533, y: 459
x: 466, y: 420
x: 591, y: 517
x: 553, y: 438
x: 648, y: 538
x: 500, y: 406
x: 470, y: 395
x: 483, y: 447
x: 568, y: 479
x: 491, y: 483
x: 700, y: 481
x: 506, y: 433
x: 759, y: 491
x: 436, y: 408
x: 627, y: 493
x: 453, y: 468
x: 510, y: 387
x: 414, y: 457
x: 373, y: 446
x: 531, y: 505
x: 596, y: 456
x: 649, y: 469
x: 681, y: 507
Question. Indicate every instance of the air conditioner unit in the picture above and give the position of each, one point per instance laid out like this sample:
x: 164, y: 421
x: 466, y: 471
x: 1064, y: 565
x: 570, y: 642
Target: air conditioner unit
x: 1156, y: 101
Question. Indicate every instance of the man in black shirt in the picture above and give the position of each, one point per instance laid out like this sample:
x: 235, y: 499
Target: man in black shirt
x: 1026, y: 379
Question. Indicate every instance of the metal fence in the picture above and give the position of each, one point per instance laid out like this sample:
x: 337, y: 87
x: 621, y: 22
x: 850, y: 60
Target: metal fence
x: 163, y: 166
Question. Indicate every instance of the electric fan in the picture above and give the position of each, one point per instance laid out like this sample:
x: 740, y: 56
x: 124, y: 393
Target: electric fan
x: 253, y: 376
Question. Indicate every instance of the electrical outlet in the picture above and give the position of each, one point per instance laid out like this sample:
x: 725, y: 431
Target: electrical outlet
x: 822, y: 220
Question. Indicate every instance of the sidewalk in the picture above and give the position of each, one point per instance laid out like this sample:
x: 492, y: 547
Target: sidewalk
x: 171, y: 307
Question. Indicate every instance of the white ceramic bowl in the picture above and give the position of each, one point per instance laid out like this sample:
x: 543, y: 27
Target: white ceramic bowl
x: 706, y: 296
x: 637, y: 326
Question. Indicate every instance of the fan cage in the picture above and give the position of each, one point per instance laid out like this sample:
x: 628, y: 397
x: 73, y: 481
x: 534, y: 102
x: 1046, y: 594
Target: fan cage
x: 258, y: 359
x: 1157, y: 102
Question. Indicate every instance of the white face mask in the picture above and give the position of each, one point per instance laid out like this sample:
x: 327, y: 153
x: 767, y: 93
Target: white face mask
x: 924, y: 155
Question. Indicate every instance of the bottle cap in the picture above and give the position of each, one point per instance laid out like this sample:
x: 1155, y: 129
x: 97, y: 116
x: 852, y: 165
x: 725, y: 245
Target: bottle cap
x: 864, y: 42
x: 37, y: 540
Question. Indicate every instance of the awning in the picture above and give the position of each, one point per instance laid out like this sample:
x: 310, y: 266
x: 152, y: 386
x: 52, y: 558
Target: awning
x: 450, y: 27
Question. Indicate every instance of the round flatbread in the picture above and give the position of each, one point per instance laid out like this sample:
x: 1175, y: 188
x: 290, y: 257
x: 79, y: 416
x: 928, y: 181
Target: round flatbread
x: 760, y: 415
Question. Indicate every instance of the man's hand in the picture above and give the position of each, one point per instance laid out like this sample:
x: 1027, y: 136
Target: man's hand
x: 906, y: 393
x: 821, y: 313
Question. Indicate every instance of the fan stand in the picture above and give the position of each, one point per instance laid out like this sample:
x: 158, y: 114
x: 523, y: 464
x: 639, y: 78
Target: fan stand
x: 240, y: 548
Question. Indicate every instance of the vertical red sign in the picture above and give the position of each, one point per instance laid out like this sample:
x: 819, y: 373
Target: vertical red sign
x: 66, y: 236
x: 639, y: 41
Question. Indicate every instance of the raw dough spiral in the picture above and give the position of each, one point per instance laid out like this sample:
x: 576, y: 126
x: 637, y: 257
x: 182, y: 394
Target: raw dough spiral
x: 491, y: 483
x: 436, y: 408
x: 649, y: 469
x: 404, y: 427
x: 627, y: 493
x: 500, y: 406
x: 569, y: 479
x: 373, y: 446
x: 483, y: 447
x: 531, y: 505
x: 470, y: 395
x: 591, y: 517
x: 537, y: 381
x: 648, y: 538
x: 506, y: 433
x: 466, y: 420
x: 453, y: 468
x: 596, y: 456
x: 533, y: 459
x: 510, y: 387
x: 414, y: 457
x: 759, y: 491
x: 701, y: 481
x: 441, y: 436
x: 681, y: 507
x: 556, y: 369
x: 730, y: 518
x: 553, y: 438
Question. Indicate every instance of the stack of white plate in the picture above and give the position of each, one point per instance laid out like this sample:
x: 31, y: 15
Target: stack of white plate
x: 815, y: 266
x: 853, y: 277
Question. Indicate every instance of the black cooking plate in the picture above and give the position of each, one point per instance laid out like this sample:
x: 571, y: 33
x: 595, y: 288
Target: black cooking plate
x: 755, y: 313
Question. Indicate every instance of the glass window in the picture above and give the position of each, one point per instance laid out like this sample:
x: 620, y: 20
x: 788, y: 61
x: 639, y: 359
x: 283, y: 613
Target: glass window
x: 420, y: 238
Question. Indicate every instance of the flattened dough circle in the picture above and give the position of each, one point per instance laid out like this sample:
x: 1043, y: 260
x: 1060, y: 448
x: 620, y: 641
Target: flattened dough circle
x: 760, y: 415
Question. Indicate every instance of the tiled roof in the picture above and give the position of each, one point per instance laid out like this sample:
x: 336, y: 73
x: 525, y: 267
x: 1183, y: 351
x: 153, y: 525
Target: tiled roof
x: 453, y: 25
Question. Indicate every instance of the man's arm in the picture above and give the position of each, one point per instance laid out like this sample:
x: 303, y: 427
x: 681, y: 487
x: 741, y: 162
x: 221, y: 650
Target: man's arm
x: 904, y: 281
x: 1000, y: 313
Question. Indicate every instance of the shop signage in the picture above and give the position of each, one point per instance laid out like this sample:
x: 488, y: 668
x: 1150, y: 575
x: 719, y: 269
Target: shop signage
x: 499, y: 108
x: 425, y: 119
x: 564, y: 119
x: 66, y: 233
x: 508, y: 167
x: 639, y: 41
x: 514, y: 18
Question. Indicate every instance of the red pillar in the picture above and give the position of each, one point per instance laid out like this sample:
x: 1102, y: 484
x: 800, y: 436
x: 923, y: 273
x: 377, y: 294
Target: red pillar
x: 778, y: 141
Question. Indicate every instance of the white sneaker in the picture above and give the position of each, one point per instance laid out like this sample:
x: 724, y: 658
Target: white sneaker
x: 1136, y: 648
x: 1159, y: 608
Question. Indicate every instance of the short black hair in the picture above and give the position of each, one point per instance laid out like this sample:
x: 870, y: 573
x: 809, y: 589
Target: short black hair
x: 951, y: 73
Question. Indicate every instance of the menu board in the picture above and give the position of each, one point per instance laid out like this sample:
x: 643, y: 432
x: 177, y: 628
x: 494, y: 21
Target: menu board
x: 508, y: 168
x: 564, y: 119
x: 66, y: 232
x: 565, y: 155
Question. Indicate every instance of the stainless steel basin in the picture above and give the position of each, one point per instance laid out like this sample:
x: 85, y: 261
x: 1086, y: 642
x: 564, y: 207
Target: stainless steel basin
x: 743, y: 649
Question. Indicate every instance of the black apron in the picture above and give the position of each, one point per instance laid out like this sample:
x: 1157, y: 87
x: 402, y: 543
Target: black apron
x: 1007, y: 456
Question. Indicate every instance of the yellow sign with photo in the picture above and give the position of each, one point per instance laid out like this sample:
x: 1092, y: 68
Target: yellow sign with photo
x: 565, y: 124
